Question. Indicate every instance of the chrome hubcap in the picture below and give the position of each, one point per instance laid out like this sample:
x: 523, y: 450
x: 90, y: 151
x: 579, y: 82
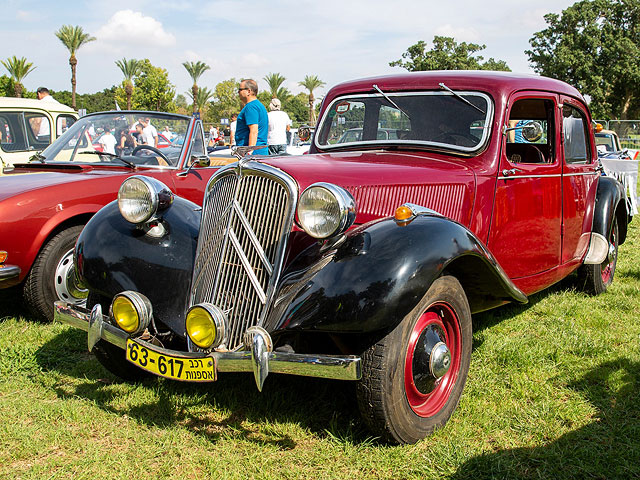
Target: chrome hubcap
x: 66, y: 288
x: 611, y: 255
x: 440, y: 360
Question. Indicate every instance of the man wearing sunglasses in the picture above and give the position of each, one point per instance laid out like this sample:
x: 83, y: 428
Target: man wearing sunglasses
x: 253, y: 122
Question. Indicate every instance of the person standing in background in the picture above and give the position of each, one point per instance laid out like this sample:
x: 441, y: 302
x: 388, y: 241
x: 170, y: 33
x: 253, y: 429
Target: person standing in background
x: 232, y: 129
x: 279, y: 125
x: 252, y: 125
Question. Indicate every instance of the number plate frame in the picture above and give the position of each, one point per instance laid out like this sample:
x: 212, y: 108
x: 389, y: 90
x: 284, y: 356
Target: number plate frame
x: 181, y: 368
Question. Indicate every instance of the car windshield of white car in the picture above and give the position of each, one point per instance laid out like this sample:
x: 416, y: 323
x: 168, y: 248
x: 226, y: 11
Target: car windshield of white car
x: 429, y: 119
x: 143, y: 138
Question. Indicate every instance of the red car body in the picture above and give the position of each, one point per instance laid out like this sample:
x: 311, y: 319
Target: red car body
x: 365, y: 259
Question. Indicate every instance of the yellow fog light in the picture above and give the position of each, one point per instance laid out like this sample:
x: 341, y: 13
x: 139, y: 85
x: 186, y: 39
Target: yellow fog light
x: 131, y: 311
x: 206, y: 325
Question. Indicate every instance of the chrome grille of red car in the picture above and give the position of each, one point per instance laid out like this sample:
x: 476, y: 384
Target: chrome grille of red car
x: 246, y: 220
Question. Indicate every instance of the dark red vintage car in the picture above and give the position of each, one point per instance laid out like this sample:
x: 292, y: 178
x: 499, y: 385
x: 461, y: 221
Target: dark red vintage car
x: 45, y: 203
x: 365, y: 259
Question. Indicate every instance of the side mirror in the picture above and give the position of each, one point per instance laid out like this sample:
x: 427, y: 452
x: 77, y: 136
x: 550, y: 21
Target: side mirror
x: 532, y: 132
x: 304, y: 132
x: 200, y: 161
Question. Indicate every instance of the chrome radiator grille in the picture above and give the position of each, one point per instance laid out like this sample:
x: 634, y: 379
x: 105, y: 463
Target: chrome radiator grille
x: 247, y: 216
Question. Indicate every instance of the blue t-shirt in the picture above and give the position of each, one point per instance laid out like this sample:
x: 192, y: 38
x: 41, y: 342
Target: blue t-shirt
x: 253, y: 113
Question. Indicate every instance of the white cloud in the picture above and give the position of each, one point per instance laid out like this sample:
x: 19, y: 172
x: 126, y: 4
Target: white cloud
x: 129, y: 30
x: 26, y: 16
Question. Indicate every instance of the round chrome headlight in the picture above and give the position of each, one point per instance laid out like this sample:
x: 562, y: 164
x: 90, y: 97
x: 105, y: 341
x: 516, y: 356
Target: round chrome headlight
x: 140, y: 198
x: 206, y: 325
x: 325, y: 210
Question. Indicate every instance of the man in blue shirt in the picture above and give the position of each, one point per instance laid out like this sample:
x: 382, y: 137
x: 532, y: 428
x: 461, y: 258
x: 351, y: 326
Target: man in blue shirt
x: 253, y: 122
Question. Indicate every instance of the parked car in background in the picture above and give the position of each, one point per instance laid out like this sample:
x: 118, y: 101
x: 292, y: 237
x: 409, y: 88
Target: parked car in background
x: 28, y: 126
x: 45, y: 203
x: 363, y: 260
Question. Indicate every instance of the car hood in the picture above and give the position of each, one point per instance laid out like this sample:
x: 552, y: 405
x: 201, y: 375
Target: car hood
x: 382, y: 181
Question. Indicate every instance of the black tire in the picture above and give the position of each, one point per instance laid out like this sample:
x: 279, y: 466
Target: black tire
x: 111, y: 357
x: 396, y: 399
x: 595, y: 279
x: 40, y: 290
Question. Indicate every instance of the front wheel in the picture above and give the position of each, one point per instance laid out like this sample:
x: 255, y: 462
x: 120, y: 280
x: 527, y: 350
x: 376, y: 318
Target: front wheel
x: 413, y: 377
x: 51, y: 276
x: 595, y: 279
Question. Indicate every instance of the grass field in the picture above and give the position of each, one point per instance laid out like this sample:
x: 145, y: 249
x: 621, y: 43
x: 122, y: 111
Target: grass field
x: 553, y: 392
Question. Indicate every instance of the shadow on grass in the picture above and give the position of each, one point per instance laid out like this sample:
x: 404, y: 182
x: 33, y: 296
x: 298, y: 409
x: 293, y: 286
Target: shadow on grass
x: 231, y: 407
x: 11, y: 304
x: 608, y: 447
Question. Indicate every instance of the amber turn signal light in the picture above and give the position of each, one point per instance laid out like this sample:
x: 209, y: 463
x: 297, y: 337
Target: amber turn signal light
x: 3, y: 256
x: 597, y: 127
x: 403, y: 213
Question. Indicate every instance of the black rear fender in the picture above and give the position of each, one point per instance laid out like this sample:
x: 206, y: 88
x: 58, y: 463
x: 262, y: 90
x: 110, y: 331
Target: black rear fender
x: 610, y: 204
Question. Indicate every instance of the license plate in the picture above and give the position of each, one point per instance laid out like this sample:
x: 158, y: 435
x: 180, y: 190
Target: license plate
x: 170, y: 366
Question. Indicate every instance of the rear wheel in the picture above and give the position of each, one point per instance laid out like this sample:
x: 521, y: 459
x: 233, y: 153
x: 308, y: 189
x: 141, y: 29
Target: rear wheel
x: 50, y: 277
x: 595, y: 279
x: 413, y: 377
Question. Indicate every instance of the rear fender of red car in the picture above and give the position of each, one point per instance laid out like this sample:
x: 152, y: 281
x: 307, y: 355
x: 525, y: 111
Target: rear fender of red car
x: 370, y: 281
x: 610, y: 204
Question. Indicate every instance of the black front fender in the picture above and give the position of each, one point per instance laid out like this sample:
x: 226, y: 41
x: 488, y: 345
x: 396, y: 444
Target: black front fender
x: 380, y: 272
x: 113, y: 255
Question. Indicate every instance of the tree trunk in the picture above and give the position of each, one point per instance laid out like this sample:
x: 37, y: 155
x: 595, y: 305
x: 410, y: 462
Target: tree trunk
x: 194, y: 91
x: 312, y: 116
x: 17, y: 89
x: 128, y: 89
x: 73, y: 61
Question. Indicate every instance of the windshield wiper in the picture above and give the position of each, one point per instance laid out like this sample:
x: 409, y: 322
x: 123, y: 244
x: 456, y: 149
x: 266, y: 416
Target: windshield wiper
x: 37, y: 156
x: 389, y: 100
x: 460, y: 97
x: 110, y: 155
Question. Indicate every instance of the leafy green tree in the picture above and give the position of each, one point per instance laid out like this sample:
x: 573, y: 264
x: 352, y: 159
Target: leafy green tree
x: 595, y: 46
x: 226, y: 100
x: 447, y: 54
x: 73, y: 38
x: 275, y: 81
x: 6, y: 86
x: 92, y: 102
x: 297, y: 108
x: 195, y: 71
x: 153, y: 90
x: 311, y: 83
x: 18, y: 68
x: 129, y: 68
x: 203, y: 96
x: 182, y: 106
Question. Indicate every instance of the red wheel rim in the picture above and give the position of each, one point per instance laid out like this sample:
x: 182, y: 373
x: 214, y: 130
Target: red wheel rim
x: 442, y: 317
x: 608, y: 267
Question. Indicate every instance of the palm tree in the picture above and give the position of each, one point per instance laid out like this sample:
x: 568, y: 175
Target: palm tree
x: 202, y: 97
x: 311, y: 82
x: 73, y: 38
x: 129, y: 68
x: 195, y: 70
x: 275, y: 81
x: 18, y: 68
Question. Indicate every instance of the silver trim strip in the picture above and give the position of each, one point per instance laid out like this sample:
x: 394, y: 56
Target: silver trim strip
x: 336, y: 367
x: 247, y: 266
x: 512, y: 177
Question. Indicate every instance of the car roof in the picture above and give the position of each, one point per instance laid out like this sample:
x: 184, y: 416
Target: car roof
x: 606, y: 132
x: 12, y: 102
x: 497, y: 84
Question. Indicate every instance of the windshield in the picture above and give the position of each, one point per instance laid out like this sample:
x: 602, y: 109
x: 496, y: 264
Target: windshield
x: 141, y: 138
x: 437, y: 119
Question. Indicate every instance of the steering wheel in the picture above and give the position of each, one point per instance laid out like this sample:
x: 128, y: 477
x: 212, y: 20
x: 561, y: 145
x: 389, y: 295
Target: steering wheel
x: 461, y: 139
x: 153, y: 149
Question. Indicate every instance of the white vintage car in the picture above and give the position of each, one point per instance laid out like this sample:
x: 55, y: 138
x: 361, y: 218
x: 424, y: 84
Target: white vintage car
x: 28, y: 126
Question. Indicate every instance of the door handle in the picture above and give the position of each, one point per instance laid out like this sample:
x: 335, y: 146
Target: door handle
x: 509, y: 172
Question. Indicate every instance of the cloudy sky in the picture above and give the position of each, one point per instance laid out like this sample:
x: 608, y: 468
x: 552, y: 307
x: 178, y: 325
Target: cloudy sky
x: 334, y: 39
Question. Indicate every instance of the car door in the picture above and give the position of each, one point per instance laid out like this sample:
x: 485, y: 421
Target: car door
x: 579, y: 179
x: 525, y: 234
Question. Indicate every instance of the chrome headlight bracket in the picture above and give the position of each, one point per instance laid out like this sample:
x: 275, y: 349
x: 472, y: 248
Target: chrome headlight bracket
x: 140, y: 198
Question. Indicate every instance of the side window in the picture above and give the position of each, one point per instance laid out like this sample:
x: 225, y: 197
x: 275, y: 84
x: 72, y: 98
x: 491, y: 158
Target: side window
x: 197, y: 147
x: 38, y: 131
x: 63, y: 123
x: 530, y: 131
x: 12, y: 132
x: 574, y: 130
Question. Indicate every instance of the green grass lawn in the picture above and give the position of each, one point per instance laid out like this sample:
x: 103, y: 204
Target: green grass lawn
x: 553, y: 392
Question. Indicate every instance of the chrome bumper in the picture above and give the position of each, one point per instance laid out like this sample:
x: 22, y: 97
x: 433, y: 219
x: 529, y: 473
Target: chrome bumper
x: 257, y: 360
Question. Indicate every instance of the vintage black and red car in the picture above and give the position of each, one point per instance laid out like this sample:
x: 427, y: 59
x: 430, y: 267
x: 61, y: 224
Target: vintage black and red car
x: 365, y: 259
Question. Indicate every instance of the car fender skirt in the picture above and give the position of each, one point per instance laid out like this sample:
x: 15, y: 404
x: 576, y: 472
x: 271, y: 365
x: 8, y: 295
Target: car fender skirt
x: 378, y: 273
x: 610, y: 202
x: 113, y: 255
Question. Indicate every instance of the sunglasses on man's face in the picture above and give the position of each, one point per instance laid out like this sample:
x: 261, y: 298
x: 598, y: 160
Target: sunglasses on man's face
x: 241, y: 89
